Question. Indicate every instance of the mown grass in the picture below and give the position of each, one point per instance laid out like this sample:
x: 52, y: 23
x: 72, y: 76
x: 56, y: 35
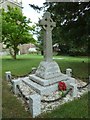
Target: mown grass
x: 24, y: 63
x: 72, y: 109
x: 20, y: 66
x: 12, y: 107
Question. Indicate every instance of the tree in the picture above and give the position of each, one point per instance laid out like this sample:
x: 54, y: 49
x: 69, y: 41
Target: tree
x: 72, y: 24
x: 15, y: 30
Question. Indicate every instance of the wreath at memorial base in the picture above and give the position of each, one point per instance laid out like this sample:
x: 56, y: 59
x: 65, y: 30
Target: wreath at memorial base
x: 62, y: 86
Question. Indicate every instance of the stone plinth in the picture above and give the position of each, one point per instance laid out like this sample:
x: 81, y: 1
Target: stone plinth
x: 48, y: 70
x: 42, y: 86
x: 50, y: 81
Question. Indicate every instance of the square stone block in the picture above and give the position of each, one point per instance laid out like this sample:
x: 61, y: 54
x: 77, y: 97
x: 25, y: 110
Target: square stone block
x: 35, y: 105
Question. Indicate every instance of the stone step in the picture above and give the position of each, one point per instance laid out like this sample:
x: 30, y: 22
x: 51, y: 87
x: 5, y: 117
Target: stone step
x: 43, y: 82
x: 40, y: 89
x: 26, y: 90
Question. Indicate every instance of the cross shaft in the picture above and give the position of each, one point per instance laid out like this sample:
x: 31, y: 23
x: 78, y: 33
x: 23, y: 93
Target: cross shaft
x: 48, y: 26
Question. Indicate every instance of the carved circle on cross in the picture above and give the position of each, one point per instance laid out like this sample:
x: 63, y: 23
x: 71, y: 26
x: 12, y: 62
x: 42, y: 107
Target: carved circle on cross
x: 48, y: 20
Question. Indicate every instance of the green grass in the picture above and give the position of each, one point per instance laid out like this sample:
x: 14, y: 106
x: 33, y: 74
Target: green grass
x: 72, y: 109
x: 24, y: 63
x: 12, y: 108
x: 20, y: 66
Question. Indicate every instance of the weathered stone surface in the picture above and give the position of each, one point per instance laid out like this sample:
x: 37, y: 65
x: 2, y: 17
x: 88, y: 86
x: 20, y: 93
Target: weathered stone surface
x: 48, y: 70
x: 26, y: 89
x: 35, y: 105
x: 48, y: 25
x: 41, y: 89
x: 45, y: 82
x: 74, y: 89
x: 15, y: 83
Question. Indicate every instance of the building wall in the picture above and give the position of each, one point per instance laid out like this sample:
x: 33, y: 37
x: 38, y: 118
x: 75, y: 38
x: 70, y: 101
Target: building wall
x: 25, y: 47
x: 12, y: 3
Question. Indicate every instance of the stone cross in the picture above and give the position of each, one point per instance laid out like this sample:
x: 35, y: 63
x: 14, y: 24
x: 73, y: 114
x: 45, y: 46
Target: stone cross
x: 48, y: 26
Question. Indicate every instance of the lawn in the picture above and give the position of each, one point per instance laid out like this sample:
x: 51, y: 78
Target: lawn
x: 12, y: 107
x: 74, y: 109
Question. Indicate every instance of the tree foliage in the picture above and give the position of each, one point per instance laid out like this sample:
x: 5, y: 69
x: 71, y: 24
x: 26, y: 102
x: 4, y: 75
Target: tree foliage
x: 72, y: 24
x: 15, y: 29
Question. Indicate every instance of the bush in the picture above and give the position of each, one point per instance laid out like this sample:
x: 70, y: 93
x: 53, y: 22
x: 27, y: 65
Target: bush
x: 78, y: 52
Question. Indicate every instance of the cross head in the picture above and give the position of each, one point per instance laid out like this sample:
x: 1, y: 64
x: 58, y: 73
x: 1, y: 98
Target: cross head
x: 47, y: 22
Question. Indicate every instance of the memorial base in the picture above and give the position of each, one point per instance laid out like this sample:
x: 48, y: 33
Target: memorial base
x: 46, y: 78
x: 48, y: 70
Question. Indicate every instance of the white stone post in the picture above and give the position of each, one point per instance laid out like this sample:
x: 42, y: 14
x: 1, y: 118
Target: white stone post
x: 35, y: 105
x: 33, y: 70
x: 74, y: 90
x: 15, y: 83
x: 8, y: 75
x: 69, y: 72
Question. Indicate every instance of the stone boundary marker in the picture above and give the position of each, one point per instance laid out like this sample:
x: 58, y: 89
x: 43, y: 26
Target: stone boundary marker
x: 8, y: 75
x: 15, y: 83
x: 69, y: 72
x: 35, y: 105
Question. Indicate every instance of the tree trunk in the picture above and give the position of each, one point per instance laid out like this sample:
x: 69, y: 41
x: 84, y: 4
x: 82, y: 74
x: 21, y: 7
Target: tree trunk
x: 14, y: 55
x: 42, y: 52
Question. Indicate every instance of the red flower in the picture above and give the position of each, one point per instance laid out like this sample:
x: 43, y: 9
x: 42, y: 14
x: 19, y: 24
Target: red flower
x: 62, y: 86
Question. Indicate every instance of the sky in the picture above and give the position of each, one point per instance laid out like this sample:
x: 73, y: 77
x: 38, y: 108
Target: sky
x: 30, y: 12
